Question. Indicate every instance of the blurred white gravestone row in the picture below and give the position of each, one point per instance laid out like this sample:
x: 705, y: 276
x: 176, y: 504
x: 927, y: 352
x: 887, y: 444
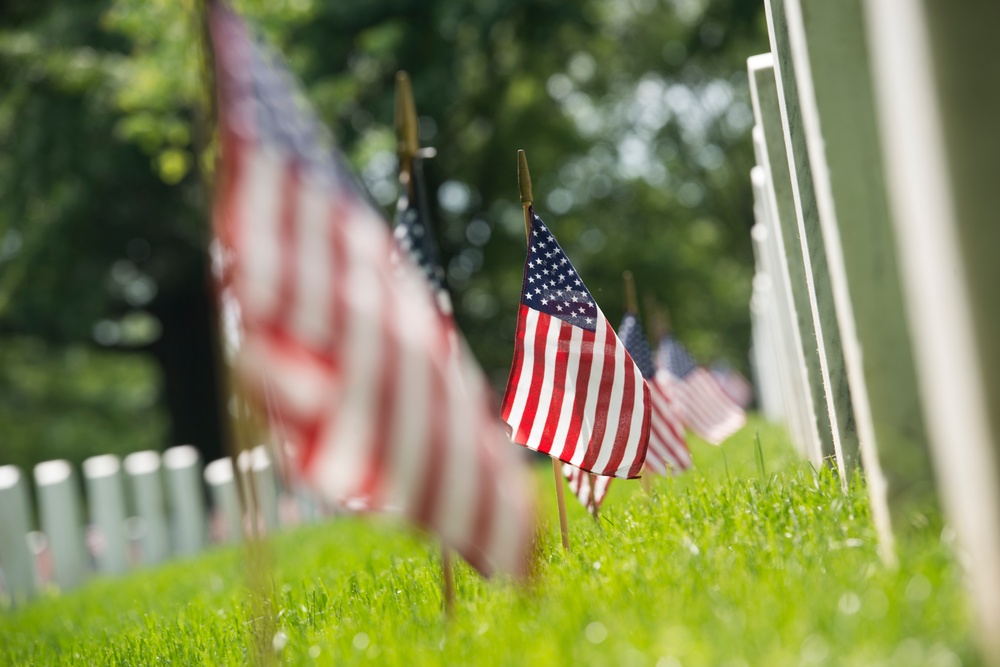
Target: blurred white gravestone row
x: 140, y: 511
x: 878, y: 154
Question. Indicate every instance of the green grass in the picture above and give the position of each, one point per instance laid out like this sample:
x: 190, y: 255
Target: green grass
x: 723, y: 566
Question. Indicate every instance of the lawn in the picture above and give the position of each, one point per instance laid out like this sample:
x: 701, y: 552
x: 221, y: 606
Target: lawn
x: 746, y: 561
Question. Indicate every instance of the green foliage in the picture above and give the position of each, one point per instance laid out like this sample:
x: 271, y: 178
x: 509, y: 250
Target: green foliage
x: 713, y: 569
x: 74, y: 402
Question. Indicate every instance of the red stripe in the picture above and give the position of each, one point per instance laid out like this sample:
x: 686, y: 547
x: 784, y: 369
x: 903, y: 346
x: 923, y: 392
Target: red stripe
x: 537, y: 375
x: 607, y: 356
x: 430, y: 492
x: 647, y: 419
x: 625, y: 419
x: 558, y: 387
x: 339, y: 308
x: 515, y: 365
x: 580, y: 398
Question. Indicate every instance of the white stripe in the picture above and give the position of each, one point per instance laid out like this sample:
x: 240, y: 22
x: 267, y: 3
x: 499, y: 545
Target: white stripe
x: 614, y: 407
x: 569, y: 398
x: 639, y: 407
x: 257, y: 242
x: 457, y: 500
x: 548, y: 383
x: 527, y: 365
x: 411, y: 431
x: 593, y: 389
x: 346, y: 446
x: 311, y: 316
x: 507, y: 540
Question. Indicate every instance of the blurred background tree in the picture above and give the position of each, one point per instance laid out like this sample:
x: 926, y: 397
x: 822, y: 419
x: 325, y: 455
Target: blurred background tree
x: 634, y: 115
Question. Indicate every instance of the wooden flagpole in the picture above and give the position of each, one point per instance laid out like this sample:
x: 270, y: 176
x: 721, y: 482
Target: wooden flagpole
x: 242, y: 429
x: 408, y: 149
x: 632, y: 306
x: 524, y: 187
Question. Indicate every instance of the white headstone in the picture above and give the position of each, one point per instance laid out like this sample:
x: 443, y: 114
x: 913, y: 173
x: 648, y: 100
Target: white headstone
x: 935, y: 68
x: 225, y: 497
x: 769, y: 150
x: 787, y: 345
x: 143, y: 470
x: 182, y: 469
x: 103, y: 481
x: 16, y: 560
x: 59, y: 513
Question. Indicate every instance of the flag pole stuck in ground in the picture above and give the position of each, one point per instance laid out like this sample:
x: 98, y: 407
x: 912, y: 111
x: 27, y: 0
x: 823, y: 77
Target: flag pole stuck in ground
x: 412, y: 203
x: 524, y: 188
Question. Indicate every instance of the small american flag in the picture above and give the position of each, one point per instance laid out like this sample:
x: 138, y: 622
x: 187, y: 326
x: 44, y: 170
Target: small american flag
x: 705, y: 408
x: 357, y: 360
x: 590, y: 495
x: 736, y: 386
x: 668, y: 451
x: 415, y: 234
x: 574, y: 392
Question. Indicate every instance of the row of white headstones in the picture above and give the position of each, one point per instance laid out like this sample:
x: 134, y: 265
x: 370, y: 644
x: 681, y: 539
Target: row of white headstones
x: 142, y: 510
x: 876, y: 326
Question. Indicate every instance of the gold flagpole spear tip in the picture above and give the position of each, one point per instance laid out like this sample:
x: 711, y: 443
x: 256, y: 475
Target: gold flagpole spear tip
x: 631, y: 301
x: 408, y: 143
x: 523, y: 178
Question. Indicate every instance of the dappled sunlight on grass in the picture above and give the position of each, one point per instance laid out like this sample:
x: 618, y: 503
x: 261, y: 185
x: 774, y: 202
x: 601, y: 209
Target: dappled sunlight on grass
x: 719, y: 567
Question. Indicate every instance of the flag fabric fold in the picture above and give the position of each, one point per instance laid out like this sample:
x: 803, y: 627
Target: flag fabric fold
x: 733, y: 383
x: 704, y: 406
x: 355, y: 355
x: 668, y: 451
x: 573, y: 392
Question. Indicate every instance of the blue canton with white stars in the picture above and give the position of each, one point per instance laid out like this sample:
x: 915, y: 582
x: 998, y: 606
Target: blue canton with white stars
x: 281, y: 115
x: 673, y: 356
x: 551, y: 284
x: 630, y: 333
x: 413, y: 229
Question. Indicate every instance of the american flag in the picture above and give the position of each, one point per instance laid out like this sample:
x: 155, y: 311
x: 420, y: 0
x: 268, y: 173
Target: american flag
x: 705, y: 408
x: 356, y: 357
x: 574, y: 392
x: 668, y: 451
x: 580, y: 484
x: 415, y: 234
x: 736, y: 386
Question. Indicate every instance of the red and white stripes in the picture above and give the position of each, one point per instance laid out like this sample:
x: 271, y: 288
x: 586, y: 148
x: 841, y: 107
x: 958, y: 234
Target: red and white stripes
x: 668, y: 451
x: 705, y: 408
x: 356, y: 358
x: 576, y: 395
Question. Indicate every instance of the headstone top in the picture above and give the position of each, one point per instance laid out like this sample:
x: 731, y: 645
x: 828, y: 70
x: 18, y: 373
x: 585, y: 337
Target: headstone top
x: 9, y: 476
x: 219, y: 471
x: 182, y: 456
x: 760, y: 61
x: 104, y: 465
x: 52, y: 472
x: 142, y: 463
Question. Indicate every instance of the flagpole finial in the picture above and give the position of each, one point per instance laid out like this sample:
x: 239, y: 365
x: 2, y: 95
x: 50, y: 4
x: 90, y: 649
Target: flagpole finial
x: 523, y: 178
x: 408, y: 143
x: 631, y: 301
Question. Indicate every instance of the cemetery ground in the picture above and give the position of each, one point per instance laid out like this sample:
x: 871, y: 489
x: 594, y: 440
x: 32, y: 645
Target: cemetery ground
x: 752, y: 559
